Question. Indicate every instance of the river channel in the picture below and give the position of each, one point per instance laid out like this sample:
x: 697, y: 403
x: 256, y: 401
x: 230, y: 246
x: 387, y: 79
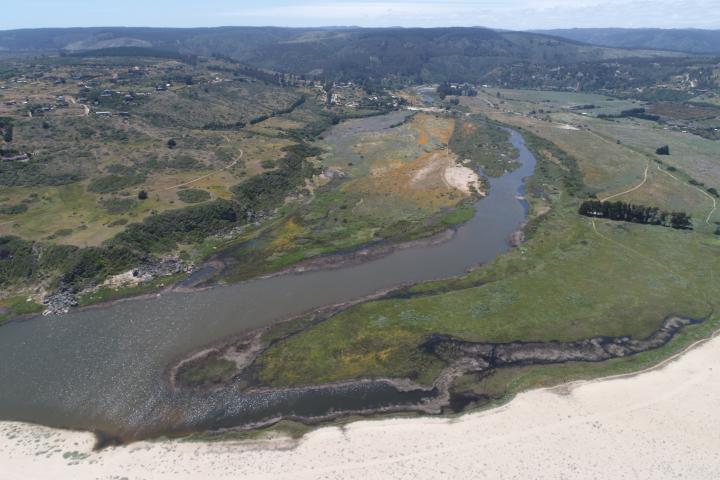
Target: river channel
x: 102, y: 368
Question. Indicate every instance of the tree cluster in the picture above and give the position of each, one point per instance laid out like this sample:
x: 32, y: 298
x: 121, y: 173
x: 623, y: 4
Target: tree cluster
x: 628, y: 212
x: 445, y: 89
x: 266, y: 191
x: 633, y: 112
x: 163, y: 231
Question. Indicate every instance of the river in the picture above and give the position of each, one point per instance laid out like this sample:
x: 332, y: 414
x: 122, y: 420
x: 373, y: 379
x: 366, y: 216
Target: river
x: 102, y: 368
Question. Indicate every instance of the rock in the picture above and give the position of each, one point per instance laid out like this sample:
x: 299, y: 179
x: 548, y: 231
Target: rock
x: 60, y: 302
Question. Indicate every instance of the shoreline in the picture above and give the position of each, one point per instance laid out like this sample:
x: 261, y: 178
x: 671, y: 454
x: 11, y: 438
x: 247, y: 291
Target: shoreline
x: 570, y: 427
x: 356, y: 256
x: 469, y: 358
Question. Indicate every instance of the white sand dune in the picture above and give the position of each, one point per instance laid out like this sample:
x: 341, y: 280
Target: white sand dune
x: 661, y: 424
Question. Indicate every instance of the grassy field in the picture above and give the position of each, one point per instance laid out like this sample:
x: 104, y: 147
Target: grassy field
x: 524, y: 101
x: 388, y: 184
x: 567, y: 283
x: 177, y: 132
x: 614, y: 154
x: 17, y: 305
x: 218, y: 160
x: 573, y: 279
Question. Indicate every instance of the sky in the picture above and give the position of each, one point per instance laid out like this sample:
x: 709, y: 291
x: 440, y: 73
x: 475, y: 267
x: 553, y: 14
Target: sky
x: 507, y: 14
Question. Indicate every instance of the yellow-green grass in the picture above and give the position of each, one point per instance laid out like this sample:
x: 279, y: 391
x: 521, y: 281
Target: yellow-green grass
x: 79, y: 212
x: 502, y: 384
x: 608, y: 167
x: 574, y: 279
x: 15, y: 306
x: 73, y: 208
x: 570, y: 282
x: 614, y: 155
x: 673, y: 193
x: 529, y: 100
x: 697, y: 156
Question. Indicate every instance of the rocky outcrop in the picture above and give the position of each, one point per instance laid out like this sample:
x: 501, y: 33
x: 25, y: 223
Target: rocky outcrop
x: 59, y: 302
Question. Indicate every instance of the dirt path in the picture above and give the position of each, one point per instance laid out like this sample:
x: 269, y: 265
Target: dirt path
x: 712, y: 199
x: 242, y: 153
x: 85, y: 107
x: 645, y: 177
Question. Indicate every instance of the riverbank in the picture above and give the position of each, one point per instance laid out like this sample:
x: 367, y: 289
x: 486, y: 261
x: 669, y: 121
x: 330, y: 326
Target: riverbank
x: 659, y: 424
x: 231, y: 366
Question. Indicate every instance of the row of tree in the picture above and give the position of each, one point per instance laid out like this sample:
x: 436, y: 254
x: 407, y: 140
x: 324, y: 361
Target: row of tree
x: 629, y: 212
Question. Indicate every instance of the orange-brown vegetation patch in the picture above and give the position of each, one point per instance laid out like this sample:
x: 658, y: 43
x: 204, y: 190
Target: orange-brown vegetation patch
x: 420, y: 182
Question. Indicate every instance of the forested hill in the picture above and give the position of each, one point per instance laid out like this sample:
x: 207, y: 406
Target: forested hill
x: 681, y: 40
x: 432, y: 54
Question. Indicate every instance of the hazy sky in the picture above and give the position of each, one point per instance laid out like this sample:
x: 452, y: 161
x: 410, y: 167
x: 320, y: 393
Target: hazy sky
x: 511, y: 14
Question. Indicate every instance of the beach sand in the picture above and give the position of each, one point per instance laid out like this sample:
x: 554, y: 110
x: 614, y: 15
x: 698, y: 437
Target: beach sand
x: 661, y: 424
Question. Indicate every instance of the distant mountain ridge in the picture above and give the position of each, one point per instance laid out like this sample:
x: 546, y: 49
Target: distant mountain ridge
x: 419, y: 54
x: 680, y: 40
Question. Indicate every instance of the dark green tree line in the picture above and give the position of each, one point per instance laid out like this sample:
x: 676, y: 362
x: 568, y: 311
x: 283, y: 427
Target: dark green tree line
x: 628, y: 212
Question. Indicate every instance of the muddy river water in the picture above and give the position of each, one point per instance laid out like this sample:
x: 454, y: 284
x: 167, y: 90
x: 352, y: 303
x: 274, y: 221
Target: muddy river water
x: 102, y: 369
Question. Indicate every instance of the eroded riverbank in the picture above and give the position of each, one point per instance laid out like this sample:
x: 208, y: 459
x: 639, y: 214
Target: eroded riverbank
x: 460, y: 358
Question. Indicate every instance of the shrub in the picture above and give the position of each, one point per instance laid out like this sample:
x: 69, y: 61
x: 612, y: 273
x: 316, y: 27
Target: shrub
x: 268, y: 190
x: 184, y: 162
x: 193, y: 195
x: 13, y: 209
x: 163, y: 231
x: 664, y: 150
x: 118, y: 222
x: 117, y: 206
x: 113, y: 183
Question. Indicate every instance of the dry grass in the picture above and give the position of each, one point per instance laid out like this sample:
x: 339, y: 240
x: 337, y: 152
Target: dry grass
x: 418, y: 182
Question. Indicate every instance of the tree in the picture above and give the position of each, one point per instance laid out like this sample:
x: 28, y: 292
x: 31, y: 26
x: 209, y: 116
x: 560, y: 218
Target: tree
x: 142, y: 195
x: 171, y: 143
x: 680, y: 220
x: 8, y: 136
x: 627, y: 212
x: 664, y: 150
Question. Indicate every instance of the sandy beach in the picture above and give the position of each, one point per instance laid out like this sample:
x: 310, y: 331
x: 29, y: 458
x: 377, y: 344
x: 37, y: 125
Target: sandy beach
x: 661, y: 424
